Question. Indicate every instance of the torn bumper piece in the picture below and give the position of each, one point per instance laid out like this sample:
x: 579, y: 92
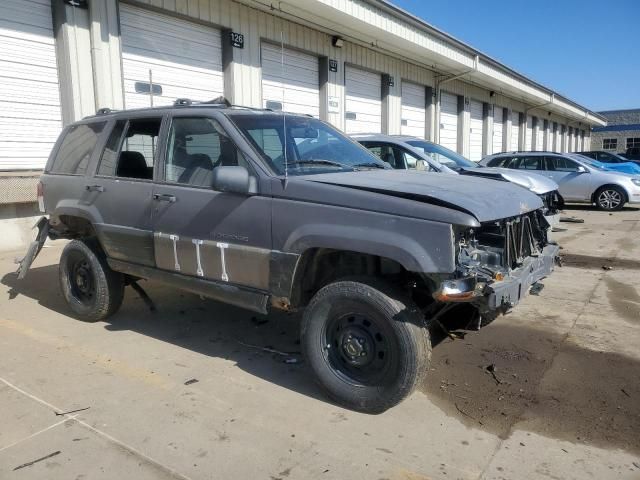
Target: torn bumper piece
x: 503, y: 294
x: 34, y: 247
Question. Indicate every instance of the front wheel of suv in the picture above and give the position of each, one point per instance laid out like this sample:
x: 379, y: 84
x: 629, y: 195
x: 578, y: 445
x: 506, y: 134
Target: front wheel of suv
x: 92, y: 290
x: 610, y: 198
x: 366, y: 344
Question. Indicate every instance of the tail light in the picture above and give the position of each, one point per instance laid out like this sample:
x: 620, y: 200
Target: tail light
x: 40, y: 193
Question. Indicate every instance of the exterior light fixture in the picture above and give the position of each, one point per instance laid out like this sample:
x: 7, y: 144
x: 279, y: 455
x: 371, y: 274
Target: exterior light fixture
x: 337, y: 42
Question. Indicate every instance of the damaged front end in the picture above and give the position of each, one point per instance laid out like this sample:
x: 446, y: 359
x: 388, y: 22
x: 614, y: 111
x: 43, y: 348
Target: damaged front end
x: 499, y: 262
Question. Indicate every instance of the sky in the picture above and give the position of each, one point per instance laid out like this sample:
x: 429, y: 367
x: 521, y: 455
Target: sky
x: 588, y: 50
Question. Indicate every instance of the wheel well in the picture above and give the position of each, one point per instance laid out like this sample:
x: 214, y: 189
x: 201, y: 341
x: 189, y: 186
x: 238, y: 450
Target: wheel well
x: 608, y: 185
x: 72, y: 227
x: 320, y: 266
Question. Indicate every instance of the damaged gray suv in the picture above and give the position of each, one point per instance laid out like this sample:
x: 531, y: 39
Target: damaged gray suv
x: 267, y: 210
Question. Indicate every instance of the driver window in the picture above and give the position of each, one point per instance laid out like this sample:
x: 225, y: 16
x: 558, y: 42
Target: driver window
x: 561, y: 164
x: 196, y: 147
x: 384, y: 153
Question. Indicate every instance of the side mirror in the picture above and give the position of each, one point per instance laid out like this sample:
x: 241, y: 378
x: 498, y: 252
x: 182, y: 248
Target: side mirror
x: 581, y: 169
x: 233, y: 180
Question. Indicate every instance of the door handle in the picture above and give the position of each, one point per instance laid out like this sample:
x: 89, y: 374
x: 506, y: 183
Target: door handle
x: 95, y: 188
x: 164, y: 197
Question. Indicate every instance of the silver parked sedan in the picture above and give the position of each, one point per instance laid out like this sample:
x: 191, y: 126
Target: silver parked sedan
x: 580, y: 180
x: 406, y: 152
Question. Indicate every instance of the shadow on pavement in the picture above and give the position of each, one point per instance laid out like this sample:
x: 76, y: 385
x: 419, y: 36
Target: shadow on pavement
x: 504, y: 375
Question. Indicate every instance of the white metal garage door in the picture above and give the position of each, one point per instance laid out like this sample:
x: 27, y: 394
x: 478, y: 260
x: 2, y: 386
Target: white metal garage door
x: 30, y: 118
x: 363, y: 105
x: 290, y: 80
x: 540, y: 135
x: 498, y: 129
x: 475, y: 130
x: 178, y: 58
x: 449, y: 121
x: 413, y: 110
x: 515, y: 132
x: 528, y: 134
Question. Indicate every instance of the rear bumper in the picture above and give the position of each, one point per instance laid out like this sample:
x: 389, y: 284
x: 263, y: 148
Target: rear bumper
x: 504, y: 294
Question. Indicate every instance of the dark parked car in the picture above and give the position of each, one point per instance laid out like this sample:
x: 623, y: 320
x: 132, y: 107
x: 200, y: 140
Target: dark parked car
x: 608, y: 157
x: 267, y: 210
x: 633, y: 154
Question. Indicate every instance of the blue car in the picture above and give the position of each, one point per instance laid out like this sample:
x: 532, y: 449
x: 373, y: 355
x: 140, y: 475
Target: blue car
x: 625, y: 167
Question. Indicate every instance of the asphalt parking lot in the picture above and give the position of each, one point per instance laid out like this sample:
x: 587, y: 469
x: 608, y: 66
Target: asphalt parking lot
x: 551, y: 390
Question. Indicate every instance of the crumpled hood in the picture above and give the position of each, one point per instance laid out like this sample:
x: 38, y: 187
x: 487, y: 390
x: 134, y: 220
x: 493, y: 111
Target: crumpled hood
x: 534, y: 182
x: 484, y: 199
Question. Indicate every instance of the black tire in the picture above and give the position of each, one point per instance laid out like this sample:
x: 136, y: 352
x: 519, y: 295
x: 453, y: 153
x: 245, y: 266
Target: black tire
x: 610, y: 198
x: 368, y: 368
x: 92, y: 290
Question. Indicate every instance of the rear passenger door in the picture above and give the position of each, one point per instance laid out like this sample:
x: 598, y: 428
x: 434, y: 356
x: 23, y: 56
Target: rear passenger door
x: 121, y: 190
x: 199, y: 231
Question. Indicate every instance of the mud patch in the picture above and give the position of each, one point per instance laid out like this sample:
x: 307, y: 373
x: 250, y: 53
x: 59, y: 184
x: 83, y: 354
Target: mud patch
x: 578, y: 397
x: 624, y: 299
x: 597, y: 263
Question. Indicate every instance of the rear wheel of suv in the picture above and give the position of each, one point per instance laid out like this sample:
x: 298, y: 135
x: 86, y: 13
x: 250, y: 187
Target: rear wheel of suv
x: 92, y: 290
x: 610, y: 198
x: 366, y: 344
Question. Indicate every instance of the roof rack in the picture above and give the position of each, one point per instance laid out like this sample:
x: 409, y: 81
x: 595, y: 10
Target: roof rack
x: 104, y: 111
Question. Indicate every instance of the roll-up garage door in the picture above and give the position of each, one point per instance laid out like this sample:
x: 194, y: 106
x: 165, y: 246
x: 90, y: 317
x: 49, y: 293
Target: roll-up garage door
x: 30, y: 118
x: 449, y: 121
x: 169, y: 57
x: 290, y: 80
x: 540, y: 135
x: 528, y: 134
x: 475, y: 130
x: 363, y: 105
x: 515, y: 132
x: 413, y: 110
x: 498, y: 129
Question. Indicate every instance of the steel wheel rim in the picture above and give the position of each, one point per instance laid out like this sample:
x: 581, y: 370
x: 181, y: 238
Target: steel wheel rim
x: 357, y: 348
x: 81, y: 280
x: 609, y: 199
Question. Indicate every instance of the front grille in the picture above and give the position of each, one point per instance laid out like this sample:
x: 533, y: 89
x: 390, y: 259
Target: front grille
x: 524, y: 237
x: 552, y: 202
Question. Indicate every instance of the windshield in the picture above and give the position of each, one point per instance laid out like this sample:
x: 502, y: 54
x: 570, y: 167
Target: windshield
x: 309, y: 146
x: 442, y: 155
x: 588, y: 161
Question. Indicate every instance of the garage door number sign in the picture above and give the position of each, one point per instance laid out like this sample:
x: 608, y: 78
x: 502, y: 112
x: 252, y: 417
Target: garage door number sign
x: 237, y: 39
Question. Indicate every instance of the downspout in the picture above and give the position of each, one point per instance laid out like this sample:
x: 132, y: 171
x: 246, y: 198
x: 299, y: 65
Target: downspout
x: 439, y: 83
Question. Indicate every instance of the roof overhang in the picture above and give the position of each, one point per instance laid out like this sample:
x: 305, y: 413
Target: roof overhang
x: 383, y: 26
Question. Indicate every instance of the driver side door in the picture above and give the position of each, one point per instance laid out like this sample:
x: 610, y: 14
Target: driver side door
x: 574, y: 184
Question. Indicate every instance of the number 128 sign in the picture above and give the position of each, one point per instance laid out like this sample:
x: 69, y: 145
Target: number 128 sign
x: 237, y: 39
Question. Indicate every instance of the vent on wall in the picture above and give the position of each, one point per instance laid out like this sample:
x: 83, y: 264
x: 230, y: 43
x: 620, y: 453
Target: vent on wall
x: 350, y: 115
x: 274, y: 105
x: 146, y: 87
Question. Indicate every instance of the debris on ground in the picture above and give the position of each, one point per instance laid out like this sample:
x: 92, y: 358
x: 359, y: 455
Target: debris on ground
x: 192, y: 381
x: 571, y: 220
x: 625, y: 392
x: 492, y: 370
x: 28, y: 464
x: 607, y: 267
x: 268, y: 349
x: 259, y: 321
x: 72, y: 411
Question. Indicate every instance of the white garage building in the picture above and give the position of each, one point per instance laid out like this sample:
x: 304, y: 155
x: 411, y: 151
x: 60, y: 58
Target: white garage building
x: 363, y: 65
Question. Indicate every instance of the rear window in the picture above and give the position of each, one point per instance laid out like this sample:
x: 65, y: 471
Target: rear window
x: 76, y: 148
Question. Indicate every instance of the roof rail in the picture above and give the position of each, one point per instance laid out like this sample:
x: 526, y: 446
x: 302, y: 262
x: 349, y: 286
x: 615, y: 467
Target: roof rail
x: 182, y: 102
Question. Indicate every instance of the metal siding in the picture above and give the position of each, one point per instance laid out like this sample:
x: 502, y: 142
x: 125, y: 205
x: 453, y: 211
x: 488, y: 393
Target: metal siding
x: 30, y: 115
x: 498, y: 129
x: 449, y: 121
x: 475, y: 130
x: 291, y: 78
x: 185, y: 58
x: 528, y: 133
x: 413, y: 110
x: 515, y: 131
x: 364, y: 99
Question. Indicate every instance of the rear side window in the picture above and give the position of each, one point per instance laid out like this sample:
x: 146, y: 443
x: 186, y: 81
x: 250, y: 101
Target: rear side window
x: 77, y: 146
x: 499, y: 162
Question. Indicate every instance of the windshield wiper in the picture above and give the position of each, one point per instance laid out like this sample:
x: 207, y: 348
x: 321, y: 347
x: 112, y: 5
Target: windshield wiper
x: 319, y: 162
x: 369, y: 164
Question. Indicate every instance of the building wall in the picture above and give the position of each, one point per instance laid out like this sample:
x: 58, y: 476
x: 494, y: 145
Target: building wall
x: 621, y: 137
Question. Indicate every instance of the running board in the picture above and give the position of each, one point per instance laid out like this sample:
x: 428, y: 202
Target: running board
x: 250, y: 299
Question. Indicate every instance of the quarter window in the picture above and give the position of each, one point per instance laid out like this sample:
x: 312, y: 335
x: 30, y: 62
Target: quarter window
x: 610, y: 143
x: 384, y: 153
x: 75, y: 151
x: 196, y: 147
